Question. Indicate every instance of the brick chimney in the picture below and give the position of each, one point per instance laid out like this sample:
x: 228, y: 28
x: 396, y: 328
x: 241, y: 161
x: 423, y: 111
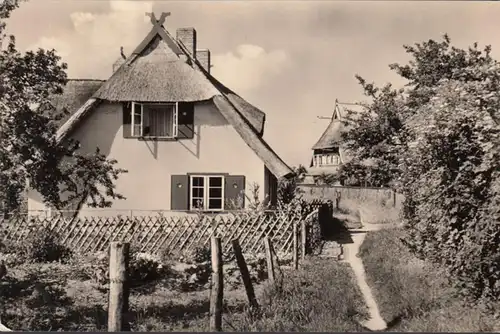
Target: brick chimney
x: 203, y: 57
x: 187, y: 36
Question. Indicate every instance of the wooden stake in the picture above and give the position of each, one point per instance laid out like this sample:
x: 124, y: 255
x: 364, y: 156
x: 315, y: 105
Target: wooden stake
x: 295, y: 246
x: 394, y: 198
x: 270, y: 260
x: 303, y: 240
x: 118, y: 287
x: 245, y: 275
x: 217, y: 293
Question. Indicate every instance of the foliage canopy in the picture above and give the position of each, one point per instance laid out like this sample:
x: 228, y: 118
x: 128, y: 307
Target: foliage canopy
x: 438, y: 141
x: 28, y: 147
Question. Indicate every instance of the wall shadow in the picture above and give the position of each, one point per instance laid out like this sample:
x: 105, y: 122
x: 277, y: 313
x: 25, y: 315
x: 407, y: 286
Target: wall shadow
x: 196, y: 152
x: 152, y: 146
x: 100, y: 128
x: 332, y: 228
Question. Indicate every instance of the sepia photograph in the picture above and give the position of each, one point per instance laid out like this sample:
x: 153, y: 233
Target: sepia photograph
x: 249, y: 166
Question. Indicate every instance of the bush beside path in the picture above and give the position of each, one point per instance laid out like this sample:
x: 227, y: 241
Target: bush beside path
x: 414, y: 295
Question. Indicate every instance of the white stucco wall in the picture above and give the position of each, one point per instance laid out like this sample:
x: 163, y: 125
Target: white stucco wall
x: 215, y: 148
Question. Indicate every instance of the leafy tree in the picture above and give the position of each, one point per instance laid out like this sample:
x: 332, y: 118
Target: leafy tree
x: 287, y: 188
x: 28, y: 147
x: 438, y: 140
x: 325, y: 179
x: 373, y: 137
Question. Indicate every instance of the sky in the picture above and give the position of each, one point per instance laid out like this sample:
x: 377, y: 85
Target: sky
x: 291, y: 59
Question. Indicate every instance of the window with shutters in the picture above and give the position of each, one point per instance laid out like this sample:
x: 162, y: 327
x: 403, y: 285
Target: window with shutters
x: 206, y: 192
x: 158, y: 121
x: 154, y: 120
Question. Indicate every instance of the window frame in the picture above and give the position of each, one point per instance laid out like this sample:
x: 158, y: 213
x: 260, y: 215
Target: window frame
x: 175, y: 123
x: 206, y: 192
x: 326, y: 159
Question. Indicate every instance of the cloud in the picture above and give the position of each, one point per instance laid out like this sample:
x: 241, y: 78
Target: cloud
x: 63, y: 49
x: 249, y: 67
x: 92, y: 45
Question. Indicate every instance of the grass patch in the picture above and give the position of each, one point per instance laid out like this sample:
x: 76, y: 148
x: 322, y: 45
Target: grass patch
x: 416, y: 291
x: 321, y: 296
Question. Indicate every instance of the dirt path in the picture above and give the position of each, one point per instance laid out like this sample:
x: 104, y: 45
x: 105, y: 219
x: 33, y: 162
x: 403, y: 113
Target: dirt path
x: 375, y: 323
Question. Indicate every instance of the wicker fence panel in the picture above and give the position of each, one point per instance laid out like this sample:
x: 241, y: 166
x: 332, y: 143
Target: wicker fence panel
x: 157, y: 234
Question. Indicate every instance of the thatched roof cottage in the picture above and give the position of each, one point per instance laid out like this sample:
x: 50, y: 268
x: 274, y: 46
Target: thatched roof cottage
x: 187, y: 141
x: 329, y: 153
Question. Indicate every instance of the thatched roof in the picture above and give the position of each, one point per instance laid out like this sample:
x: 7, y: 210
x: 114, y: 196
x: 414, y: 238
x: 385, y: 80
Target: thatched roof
x: 157, y: 74
x: 253, y: 115
x: 162, y: 70
x: 331, y: 137
x: 75, y: 94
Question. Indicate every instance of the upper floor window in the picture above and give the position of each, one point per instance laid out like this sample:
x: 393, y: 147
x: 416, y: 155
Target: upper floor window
x: 327, y: 159
x: 158, y: 120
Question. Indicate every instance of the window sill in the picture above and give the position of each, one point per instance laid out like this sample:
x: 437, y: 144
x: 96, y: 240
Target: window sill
x: 158, y: 139
x: 211, y: 213
x: 155, y: 139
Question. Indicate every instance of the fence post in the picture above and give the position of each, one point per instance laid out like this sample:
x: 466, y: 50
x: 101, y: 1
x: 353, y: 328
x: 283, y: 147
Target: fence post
x: 270, y: 260
x: 217, y: 293
x: 118, y: 287
x: 245, y: 275
x: 303, y: 242
x: 295, y: 246
x: 393, y: 198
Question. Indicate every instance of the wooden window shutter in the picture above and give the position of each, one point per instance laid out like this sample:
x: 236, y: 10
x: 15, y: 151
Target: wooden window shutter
x: 179, y: 192
x: 234, y: 191
x: 185, y: 118
x: 127, y: 119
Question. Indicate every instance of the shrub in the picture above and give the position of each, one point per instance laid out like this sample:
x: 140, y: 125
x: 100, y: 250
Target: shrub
x: 437, y: 139
x: 142, y: 268
x: 417, y: 291
x: 452, y: 190
x: 42, y: 246
x: 196, y: 255
x: 200, y: 254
